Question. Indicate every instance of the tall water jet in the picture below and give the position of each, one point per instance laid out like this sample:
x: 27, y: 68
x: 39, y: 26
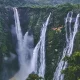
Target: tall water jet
x: 24, y: 49
x: 40, y: 51
x: 69, y: 45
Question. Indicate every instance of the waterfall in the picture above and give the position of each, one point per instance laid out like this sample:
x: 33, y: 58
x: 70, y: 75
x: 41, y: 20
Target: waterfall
x: 28, y: 61
x: 70, y: 36
x: 39, y: 51
x: 24, y: 49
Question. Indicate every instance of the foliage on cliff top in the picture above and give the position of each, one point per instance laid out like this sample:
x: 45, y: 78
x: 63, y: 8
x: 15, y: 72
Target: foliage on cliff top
x: 35, y: 2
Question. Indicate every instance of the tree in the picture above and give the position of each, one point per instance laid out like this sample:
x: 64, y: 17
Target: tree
x: 34, y: 77
x: 72, y: 72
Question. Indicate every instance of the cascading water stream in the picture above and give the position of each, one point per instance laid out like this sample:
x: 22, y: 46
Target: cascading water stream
x: 40, y: 49
x: 69, y: 45
x: 24, y: 50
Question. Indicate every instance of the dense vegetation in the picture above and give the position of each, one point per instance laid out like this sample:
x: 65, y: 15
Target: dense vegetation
x: 72, y: 72
x: 34, y: 77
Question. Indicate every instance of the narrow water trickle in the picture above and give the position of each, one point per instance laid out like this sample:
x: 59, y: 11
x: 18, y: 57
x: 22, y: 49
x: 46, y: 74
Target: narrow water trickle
x: 70, y: 36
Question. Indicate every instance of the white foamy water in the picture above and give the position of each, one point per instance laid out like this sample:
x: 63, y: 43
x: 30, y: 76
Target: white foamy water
x: 24, y: 50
